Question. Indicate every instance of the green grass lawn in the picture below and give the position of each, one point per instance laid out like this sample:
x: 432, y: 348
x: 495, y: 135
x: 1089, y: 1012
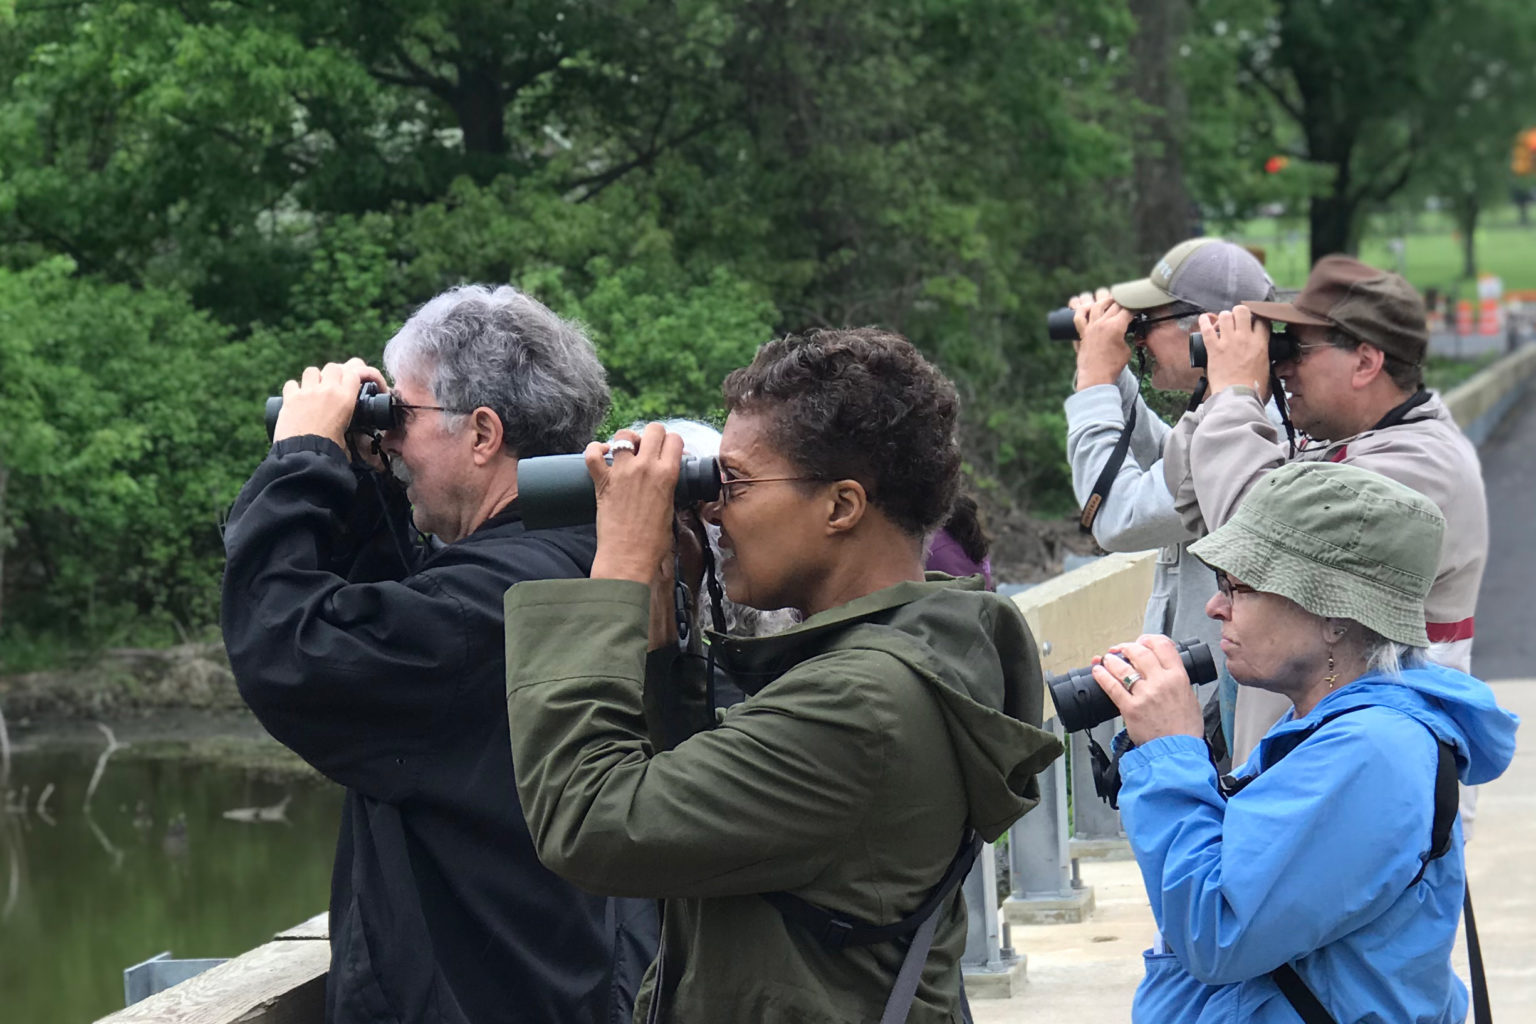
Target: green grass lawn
x: 1431, y: 251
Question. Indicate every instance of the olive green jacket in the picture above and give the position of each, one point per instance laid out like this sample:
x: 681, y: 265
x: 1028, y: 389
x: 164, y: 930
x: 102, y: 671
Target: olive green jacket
x: 871, y: 739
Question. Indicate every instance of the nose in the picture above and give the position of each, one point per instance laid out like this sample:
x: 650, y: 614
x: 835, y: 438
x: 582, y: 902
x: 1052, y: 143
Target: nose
x: 709, y: 511
x: 391, y: 439
x: 1219, y: 607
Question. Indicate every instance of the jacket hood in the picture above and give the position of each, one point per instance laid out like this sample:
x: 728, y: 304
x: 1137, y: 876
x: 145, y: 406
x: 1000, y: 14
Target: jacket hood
x: 1457, y: 708
x: 974, y: 651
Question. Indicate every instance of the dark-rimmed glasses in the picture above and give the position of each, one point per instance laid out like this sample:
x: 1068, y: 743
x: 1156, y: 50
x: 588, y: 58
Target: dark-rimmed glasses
x: 728, y: 482
x: 1141, y: 324
x: 1227, y: 587
x: 395, y: 403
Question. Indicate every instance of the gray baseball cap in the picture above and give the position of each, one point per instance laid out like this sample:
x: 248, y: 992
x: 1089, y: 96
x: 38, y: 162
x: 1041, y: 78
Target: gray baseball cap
x: 1209, y: 273
x: 1338, y: 540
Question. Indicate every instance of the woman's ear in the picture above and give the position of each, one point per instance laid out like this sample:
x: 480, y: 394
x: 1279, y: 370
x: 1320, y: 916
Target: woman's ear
x: 1334, y: 629
x: 848, y: 504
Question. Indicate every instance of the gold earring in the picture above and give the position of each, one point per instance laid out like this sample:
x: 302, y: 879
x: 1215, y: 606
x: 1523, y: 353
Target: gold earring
x: 1333, y: 676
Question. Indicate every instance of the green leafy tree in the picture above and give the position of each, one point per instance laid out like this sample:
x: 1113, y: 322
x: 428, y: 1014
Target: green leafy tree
x: 1371, y: 87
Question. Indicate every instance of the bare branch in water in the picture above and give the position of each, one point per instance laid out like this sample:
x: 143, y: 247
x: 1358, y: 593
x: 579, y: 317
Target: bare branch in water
x: 5, y: 755
x: 42, y: 804
x: 101, y: 762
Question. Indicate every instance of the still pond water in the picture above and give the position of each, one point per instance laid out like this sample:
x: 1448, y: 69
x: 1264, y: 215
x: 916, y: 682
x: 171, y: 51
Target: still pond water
x: 155, y: 865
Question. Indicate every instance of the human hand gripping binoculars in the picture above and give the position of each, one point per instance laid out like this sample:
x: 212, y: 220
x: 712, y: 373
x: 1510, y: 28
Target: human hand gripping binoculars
x: 375, y: 410
x: 557, y: 490
x: 1082, y: 704
x: 1059, y: 326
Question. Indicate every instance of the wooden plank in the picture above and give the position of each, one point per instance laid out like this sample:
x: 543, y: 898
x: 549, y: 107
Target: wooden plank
x: 278, y: 983
x: 317, y: 927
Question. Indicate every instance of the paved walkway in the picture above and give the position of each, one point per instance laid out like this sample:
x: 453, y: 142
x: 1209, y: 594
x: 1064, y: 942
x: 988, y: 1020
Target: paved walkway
x: 1087, y: 973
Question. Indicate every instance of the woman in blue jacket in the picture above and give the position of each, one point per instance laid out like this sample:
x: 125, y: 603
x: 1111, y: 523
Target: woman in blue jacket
x: 1317, y: 857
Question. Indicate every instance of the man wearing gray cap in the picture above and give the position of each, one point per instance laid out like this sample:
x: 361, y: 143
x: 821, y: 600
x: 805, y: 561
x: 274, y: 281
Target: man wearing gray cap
x: 1355, y: 386
x: 1125, y: 501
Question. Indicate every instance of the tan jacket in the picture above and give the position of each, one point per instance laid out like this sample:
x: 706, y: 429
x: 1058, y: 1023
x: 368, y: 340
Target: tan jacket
x: 1221, y: 449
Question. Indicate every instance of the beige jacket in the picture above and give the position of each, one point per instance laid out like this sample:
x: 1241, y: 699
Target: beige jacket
x: 1221, y: 449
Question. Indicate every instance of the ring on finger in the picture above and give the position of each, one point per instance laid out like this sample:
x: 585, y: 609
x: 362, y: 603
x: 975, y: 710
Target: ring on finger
x: 1130, y: 679
x: 621, y: 444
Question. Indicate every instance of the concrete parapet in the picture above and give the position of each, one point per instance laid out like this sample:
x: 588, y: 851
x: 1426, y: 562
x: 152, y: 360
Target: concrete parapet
x: 1480, y: 403
x: 1078, y: 614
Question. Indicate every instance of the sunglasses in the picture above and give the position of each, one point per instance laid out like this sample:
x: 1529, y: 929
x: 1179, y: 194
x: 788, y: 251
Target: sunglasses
x: 1142, y: 324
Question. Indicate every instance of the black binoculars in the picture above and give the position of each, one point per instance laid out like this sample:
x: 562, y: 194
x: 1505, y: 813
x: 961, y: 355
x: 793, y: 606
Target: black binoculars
x: 1281, y: 347
x: 1059, y: 325
x: 556, y: 490
x: 374, y: 410
x: 1082, y: 704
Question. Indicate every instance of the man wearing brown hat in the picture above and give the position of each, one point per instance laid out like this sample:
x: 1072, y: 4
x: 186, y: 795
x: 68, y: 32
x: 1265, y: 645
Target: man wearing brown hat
x: 1355, y: 388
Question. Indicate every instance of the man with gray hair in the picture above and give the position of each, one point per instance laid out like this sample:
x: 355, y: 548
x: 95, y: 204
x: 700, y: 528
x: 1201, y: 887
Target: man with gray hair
x: 379, y: 658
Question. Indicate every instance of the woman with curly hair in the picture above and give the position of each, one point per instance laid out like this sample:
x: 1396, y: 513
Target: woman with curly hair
x: 808, y: 843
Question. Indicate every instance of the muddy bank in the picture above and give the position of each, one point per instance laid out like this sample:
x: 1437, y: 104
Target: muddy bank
x: 179, y: 703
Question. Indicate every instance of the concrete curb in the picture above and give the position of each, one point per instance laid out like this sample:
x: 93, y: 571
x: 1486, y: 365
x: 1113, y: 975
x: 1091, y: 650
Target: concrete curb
x: 1479, y: 404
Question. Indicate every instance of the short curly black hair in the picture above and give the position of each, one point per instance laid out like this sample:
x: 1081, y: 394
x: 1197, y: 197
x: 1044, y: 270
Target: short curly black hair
x: 860, y: 404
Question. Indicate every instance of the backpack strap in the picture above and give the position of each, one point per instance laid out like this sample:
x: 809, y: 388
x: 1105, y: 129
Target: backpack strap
x: 1447, y: 806
x: 1300, y: 996
x: 840, y: 931
x: 1441, y: 835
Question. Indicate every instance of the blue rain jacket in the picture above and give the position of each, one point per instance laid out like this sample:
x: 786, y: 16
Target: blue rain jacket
x: 1312, y: 863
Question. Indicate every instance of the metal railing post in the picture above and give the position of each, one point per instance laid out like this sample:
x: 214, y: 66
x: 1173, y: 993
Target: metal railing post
x: 1039, y: 856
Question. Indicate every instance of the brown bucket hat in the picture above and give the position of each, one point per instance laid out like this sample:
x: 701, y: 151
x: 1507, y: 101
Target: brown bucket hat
x: 1370, y: 305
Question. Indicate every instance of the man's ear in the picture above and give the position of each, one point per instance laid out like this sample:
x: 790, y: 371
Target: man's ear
x: 1370, y: 362
x: 848, y: 504
x: 485, y: 427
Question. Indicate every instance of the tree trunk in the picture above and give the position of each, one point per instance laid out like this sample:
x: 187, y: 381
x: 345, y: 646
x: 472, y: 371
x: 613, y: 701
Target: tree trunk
x: 1161, y: 215
x: 1467, y: 210
x: 5, y: 538
x: 481, y: 110
x: 1333, y: 220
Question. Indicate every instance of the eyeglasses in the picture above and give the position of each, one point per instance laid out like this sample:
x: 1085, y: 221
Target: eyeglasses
x: 1226, y: 587
x: 400, y: 420
x: 728, y: 483
x: 1141, y: 324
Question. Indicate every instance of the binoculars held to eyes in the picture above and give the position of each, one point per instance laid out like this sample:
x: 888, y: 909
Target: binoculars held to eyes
x: 556, y: 490
x: 1082, y: 704
x: 374, y: 411
x: 1281, y: 347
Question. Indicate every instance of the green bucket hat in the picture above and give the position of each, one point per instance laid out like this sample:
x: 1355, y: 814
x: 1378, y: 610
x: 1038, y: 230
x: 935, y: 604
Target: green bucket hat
x: 1338, y: 540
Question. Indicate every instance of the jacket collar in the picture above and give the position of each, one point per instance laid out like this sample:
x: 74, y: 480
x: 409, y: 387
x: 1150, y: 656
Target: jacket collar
x: 771, y: 656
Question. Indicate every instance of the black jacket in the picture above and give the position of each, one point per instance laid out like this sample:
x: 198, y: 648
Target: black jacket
x: 382, y: 664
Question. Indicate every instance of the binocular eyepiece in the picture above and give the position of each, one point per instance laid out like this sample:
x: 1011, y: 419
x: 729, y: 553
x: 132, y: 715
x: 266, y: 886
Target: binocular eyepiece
x: 1082, y: 704
x: 1281, y: 347
x: 556, y: 490
x: 374, y: 410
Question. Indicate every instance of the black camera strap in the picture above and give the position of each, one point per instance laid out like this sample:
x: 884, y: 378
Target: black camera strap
x: 1111, y: 469
x: 1107, y: 475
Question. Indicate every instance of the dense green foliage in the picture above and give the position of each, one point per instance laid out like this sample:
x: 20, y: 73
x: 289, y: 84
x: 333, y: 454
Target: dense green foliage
x: 199, y: 199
